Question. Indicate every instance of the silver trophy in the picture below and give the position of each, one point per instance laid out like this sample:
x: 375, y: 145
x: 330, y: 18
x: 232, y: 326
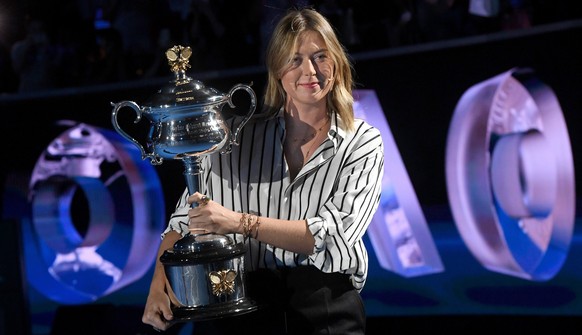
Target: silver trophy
x: 205, y: 271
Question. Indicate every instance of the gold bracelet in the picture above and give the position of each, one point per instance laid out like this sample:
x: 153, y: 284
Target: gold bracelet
x: 245, y: 223
x: 257, y: 224
x: 248, y: 225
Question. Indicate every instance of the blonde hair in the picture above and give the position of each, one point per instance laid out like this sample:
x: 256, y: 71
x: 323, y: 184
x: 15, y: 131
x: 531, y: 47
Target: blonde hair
x: 282, y: 46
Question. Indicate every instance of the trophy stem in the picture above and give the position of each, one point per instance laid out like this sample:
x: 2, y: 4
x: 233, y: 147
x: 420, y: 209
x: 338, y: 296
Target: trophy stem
x: 192, y: 174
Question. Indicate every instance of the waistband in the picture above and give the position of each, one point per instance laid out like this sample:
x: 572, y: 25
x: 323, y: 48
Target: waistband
x: 300, y: 277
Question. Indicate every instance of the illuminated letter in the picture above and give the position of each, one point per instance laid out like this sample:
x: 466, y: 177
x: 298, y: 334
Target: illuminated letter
x: 510, y: 176
x: 97, y: 212
x: 398, y: 232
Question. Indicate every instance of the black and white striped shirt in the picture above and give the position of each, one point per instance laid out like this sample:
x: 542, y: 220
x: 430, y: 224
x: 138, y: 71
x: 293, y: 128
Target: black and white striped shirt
x: 337, y: 191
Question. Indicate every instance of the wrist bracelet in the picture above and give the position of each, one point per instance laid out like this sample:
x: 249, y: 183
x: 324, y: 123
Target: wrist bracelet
x: 257, y: 224
x: 244, y: 220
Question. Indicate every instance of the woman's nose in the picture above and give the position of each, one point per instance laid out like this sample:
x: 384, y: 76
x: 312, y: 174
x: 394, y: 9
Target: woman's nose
x: 309, y: 68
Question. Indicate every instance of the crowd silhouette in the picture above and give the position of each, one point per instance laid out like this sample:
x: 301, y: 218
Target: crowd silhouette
x: 75, y: 43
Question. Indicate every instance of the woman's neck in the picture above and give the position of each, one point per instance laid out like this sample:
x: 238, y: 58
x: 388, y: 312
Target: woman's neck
x: 304, y: 134
x: 300, y: 119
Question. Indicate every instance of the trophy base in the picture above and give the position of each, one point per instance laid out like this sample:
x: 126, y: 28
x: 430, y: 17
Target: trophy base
x: 216, y: 311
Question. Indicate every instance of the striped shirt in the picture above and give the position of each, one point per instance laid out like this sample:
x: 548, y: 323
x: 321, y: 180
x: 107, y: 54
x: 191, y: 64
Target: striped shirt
x: 337, y: 192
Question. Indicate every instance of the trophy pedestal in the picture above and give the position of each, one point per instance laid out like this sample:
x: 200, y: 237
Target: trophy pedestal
x: 216, y: 311
x: 206, y: 277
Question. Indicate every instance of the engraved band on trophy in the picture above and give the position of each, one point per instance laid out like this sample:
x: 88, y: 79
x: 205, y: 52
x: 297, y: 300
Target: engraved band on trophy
x: 205, y: 271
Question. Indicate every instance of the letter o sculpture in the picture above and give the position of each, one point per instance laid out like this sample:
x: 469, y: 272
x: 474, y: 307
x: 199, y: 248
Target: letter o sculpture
x: 96, y: 214
x: 510, y: 176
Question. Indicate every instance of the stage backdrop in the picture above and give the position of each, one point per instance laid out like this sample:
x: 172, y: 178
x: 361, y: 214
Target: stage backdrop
x: 418, y: 89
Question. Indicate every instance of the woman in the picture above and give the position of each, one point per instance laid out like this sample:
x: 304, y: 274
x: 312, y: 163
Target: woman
x: 300, y: 190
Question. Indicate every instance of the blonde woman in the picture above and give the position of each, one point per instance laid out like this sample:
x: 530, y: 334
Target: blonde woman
x: 300, y: 190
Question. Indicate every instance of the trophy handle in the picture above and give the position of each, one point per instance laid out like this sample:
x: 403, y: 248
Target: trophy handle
x: 252, y: 107
x: 155, y: 160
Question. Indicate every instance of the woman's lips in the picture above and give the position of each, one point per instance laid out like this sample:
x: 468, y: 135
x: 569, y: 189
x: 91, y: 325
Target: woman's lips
x: 310, y: 85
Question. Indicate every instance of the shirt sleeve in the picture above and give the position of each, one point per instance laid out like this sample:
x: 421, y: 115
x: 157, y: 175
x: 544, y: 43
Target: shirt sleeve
x: 343, y: 219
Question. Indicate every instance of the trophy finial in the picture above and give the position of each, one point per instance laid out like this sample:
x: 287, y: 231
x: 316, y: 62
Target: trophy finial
x: 178, y: 58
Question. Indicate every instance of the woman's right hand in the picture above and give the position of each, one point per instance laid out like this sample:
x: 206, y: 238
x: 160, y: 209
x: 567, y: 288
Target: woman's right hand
x: 158, y: 312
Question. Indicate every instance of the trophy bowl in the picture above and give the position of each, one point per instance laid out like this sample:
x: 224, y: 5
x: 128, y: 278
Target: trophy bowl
x: 185, y: 116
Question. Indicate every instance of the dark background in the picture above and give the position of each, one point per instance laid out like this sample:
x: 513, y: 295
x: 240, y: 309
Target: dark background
x: 418, y: 88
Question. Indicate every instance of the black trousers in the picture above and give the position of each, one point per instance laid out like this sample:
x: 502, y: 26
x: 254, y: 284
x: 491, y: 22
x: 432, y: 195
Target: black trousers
x: 300, y: 300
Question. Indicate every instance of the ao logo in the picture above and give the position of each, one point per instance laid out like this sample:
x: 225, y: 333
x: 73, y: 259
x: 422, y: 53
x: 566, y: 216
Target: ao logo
x: 509, y: 173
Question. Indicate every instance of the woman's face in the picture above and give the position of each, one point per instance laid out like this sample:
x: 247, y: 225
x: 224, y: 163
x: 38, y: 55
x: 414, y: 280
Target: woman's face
x: 309, y: 76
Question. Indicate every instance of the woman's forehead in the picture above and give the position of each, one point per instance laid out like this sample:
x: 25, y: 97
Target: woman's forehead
x: 310, y: 39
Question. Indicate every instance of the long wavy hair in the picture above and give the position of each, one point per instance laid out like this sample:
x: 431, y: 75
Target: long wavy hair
x: 282, y: 46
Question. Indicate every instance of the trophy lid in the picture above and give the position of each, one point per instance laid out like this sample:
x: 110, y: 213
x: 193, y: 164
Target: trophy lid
x: 183, y: 90
x: 202, y: 248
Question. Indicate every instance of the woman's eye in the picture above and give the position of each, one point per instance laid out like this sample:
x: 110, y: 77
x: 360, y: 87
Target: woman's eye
x: 296, y: 61
x: 320, y: 57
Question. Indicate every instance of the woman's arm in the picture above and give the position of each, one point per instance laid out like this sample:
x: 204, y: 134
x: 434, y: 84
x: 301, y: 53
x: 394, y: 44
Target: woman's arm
x: 291, y: 235
x: 157, y: 310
